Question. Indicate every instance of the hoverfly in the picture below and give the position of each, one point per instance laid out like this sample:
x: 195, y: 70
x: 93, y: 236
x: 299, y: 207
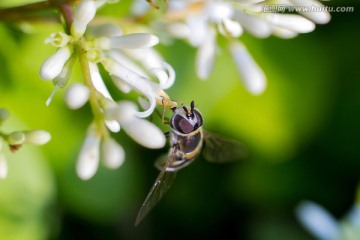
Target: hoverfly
x: 186, y: 141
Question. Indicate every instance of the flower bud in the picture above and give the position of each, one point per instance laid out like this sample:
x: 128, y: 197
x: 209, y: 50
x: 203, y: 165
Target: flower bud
x: 76, y: 96
x: 53, y: 66
x: 37, y: 137
x: 84, y: 13
x: 113, y: 153
x: 88, y: 159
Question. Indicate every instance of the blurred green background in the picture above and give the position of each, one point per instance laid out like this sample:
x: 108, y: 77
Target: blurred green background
x: 302, y: 133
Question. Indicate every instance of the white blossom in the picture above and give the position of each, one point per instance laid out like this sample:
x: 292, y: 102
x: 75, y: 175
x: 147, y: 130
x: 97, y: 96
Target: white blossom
x: 143, y: 85
x: 200, y: 21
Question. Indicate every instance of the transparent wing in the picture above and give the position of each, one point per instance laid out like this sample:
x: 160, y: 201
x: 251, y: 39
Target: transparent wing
x: 158, y: 190
x: 220, y: 149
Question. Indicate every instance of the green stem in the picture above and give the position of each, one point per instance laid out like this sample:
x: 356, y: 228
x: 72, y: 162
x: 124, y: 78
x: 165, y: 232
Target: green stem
x: 94, y: 101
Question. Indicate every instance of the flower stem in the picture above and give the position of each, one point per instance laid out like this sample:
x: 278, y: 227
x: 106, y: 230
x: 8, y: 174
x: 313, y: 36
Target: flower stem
x: 94, y: 103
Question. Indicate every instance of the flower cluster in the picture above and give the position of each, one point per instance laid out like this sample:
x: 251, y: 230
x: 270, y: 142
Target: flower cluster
x: 131, y: 62
x: 16, y: 139
x: 202, y: 21
x: 323, y: 226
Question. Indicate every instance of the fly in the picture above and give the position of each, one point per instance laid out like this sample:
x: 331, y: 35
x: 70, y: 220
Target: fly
x: 187, y: 138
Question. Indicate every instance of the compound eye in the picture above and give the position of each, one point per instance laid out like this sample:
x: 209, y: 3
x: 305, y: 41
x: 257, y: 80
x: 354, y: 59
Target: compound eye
x: 181, y: 124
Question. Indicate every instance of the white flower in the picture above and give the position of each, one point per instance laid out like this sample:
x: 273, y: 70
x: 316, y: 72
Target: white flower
x: 84, y: 13
x: 88, y: 160
x: 53, y: 66
x: 77, y: 95
x: 89, y: 156
x: 199, y: 21
x: 142, y: 131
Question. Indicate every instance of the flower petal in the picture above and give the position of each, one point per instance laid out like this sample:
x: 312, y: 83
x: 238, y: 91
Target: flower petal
x: 98, y: 81
x: 318, y: 221
x: 135, y: 40
x: 148, y: 57
x: 292, y: 22
x: 142, y: 131
x: 104, y: 30
x: 218, y: 11
x: 231, y: 28
x: 88, y: 159
x: 113, y: 153
x: 199, y: 29
x: 320, y: 17
x: 143, y: 85
x: 253, y: 24
x: 284, y: 33
x: 205, y: 56
x: 251, y: 74
x: 166, y: 79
